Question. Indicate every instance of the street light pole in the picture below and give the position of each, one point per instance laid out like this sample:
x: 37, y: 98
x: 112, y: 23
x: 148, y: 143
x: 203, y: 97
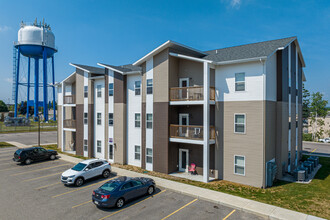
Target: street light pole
x: 38, y: 130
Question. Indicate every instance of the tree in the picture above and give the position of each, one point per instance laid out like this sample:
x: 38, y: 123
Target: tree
x: 22, y: 108
x: 306, y: 103
x: 3, y: 107
x: 318, y: 112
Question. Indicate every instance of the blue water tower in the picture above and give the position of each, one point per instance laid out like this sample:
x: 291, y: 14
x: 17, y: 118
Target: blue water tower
x: 36, y: 42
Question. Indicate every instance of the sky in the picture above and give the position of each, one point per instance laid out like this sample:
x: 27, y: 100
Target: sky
x: 121, y: 32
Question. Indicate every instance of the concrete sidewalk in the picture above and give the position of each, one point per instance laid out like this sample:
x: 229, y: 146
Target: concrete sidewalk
x: 258, y: 208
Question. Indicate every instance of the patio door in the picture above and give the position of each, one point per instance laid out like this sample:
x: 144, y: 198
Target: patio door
x: 183, y: 160
x: 183, y: 82
x: 183, y: 120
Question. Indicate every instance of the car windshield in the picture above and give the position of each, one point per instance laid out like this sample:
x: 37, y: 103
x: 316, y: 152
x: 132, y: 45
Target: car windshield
x: 110, y: 186
x: 79, y: 167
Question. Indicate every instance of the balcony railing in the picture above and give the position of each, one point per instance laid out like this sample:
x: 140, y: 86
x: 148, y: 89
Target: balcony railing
x: 69, y: 123
x: 194, y: 93
x: 193, y: 132
x: 69, y: 99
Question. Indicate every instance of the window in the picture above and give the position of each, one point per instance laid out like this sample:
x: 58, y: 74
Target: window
x: 99, y: 118
x: 99, y: 143
x: 110, y: 89
x: 126, y: 186
x: 86, y: 91
x: 239, y: 81
x: 110, y: 119
x: 137, y: 87
x: 149, y: 120
x: 137, y: 120
x: 240, y: 123
x: 137, y: 152
x: 149, y: 86
x: 99, y: 91
x: 239, y: 165
x: 85, y: 145
x: 110, y: 151
x: 136, y: 183
x: 85, y: 118
x: 149, y: 155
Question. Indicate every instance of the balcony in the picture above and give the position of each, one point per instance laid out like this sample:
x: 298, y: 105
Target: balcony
x: 69, y: 99
x: 194, y: 93
x: 69, y: 123
x: 190, y: 132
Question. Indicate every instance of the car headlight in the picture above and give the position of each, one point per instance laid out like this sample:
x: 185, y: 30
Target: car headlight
x: 71, y: 176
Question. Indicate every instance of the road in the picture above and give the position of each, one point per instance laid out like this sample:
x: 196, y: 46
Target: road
x: 36, y: 192
x: 316, y: 148
x: 30, y: 138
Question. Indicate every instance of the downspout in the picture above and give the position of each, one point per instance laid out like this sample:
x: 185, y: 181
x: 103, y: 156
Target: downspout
x: 264, y: 122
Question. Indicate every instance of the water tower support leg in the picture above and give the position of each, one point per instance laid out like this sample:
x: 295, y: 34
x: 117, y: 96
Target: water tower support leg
x: 36, y: 87
x: 16, y: 81
x: 45, y: 85
x: 28, y: 89
x: 53, y: 72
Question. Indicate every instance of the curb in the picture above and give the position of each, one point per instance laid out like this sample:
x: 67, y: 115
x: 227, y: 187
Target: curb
x: 238, y: 203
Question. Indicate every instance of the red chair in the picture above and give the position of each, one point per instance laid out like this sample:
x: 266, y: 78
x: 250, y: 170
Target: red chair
x: 192, y: 169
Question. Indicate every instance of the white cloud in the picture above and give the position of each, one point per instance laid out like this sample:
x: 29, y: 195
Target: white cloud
x: 4, y: 28
x: 233, y: 3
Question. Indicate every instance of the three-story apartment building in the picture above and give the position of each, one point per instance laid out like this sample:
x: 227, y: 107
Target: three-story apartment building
x: 234, y: 112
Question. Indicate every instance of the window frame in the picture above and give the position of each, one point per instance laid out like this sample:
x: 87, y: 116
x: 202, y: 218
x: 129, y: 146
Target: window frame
x: 135, y: 120
x: 99, y: 91
x: 85, y: 145
x: 236, y: 82
x: 85, y: 118
x: 148, y: 121
x: 239, y: 165
x: 97, y: 146
x: 135, y: 152
x: 150, y: 87
x: 112, y: 90
x: 110, y: 124
x: 113, y: 155
x: 85, y: 91
x: 239, y: 123
x: 137, y: 89
x: 151, y: 156
x: 99, y: 120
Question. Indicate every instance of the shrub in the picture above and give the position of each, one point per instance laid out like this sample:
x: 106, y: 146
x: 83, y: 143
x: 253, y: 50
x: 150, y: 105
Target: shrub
x: 307, y: 137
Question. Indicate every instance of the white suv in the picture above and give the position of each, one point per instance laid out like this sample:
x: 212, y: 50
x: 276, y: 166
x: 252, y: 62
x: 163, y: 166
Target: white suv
x: 84, y: 170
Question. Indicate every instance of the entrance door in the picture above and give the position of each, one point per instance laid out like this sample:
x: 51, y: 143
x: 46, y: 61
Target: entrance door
x: 183, y: 82
x: 183, y: 120
x: 111, y: 152
x: 183, y: 160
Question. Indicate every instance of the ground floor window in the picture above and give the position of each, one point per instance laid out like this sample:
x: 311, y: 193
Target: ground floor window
x: 137, y: 154
x: 85, y: 145
x: 110, y: 152
x: 149, y: 155
x: 239, y: 165
x: 99, y: 149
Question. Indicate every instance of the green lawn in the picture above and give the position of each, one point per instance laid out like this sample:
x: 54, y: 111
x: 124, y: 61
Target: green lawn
x: 52, y: 126
x: 5, y: 144
x: 313, y: 198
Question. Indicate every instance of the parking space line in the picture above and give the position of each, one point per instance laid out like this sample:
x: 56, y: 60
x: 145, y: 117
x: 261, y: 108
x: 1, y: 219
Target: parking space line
x: 40, y: 177
x: 25, y: 166
x: 81, y: 204
x: 7, y: 151
x: 41, y: 187
x: 83, y: 187
x: 131, y: 205
x: 180, y: 209
x: 46, y: 168
x: 229, y: 214
x: 7, y: 154
x: 314, y: 150
x: 5, y: 159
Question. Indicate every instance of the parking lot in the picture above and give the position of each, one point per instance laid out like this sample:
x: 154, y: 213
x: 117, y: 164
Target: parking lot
x: 35, y: 192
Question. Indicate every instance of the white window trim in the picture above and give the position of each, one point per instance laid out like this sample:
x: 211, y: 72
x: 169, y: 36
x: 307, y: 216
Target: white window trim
x: 135, y: 152
x: 149, y: 87
x: 113, y: 90
x: 235, y: 165
x: 245, y: 90
x: 98, y: 118
x: 244, y: 123
x: 85, y: 145
x: 137, y: 88
x: 85, y: 118
x: 152, y: 156
x: 111, y: 119
x: 97, y: 141
x: 152, y: 120
x: 136, y: 120
x: 97, y: 91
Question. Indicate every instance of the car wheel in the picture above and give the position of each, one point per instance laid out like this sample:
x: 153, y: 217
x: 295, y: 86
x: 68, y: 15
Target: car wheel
x: 28, y: 161
x: 120, y: 203
x: 106, y: 174
x: 79, y: 181
x: 52, y: 157
x: 151, y: 190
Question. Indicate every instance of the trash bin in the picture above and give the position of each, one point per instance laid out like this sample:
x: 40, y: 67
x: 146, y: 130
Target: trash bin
x: 301, y: 175
x: 305, y: 169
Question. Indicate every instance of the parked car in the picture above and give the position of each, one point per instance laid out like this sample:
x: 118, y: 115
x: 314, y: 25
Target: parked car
x: 324, y: 140
x: 116, y: 192
x: 85, y: 170
x: 28, y: 155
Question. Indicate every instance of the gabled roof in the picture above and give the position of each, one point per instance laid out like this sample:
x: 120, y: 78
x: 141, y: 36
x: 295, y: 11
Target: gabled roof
x: 123, y: 69
x: 89, y: 69
x: 248, y: 51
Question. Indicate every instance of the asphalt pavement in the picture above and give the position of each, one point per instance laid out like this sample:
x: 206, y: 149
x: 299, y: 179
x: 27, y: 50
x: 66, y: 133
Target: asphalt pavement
x: 30, y: 138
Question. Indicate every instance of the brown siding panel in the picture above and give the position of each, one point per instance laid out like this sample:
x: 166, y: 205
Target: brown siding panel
x: 79, y: 129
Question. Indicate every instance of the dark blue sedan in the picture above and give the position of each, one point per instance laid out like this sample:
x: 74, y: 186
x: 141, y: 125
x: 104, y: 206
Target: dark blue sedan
x: 122, y: 189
